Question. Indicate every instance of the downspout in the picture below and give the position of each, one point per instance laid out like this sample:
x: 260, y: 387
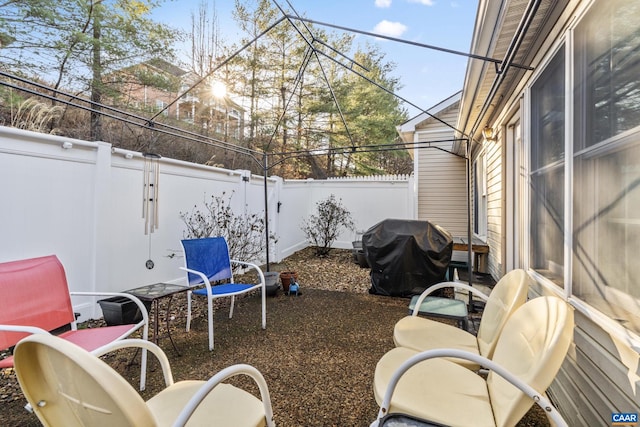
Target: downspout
x: 501, y: 72
x: 470, y: 307
x: 512, y: 50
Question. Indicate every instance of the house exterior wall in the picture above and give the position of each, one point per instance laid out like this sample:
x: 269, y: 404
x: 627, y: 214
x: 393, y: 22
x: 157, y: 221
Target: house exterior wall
x: 146, y: 97
x: 84, y: 203
x: 600, y: 375
x: 442, y: 186
x: 494, y: 207
x: 149, y: 98
x: 198, y: 106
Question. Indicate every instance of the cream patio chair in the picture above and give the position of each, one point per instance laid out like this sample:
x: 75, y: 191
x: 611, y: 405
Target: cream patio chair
x: 420, y: 334
x: 527, y: 357
x: 68, y: 387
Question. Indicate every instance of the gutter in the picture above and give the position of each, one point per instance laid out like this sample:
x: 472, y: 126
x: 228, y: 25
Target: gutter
x: 501, y: 69
x: 512, y: 50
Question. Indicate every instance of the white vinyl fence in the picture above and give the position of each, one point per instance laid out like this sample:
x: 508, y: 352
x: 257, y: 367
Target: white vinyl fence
x: 83, y: 201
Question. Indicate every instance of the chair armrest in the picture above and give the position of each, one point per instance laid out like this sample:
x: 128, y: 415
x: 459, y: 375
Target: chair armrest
x: 538, y: 398
x: 443, y: 285
x: 204, y: 278
x: 145, y: 345
x: 143, y: 309
x: 253, y: 267
x: 239, y: 369
x: 21, y: 328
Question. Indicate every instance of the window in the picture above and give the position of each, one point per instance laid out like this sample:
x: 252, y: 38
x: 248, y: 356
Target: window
x: 606, y: 173
x: 547, y: 170
x: 160, y: 104
x: 607, y: 62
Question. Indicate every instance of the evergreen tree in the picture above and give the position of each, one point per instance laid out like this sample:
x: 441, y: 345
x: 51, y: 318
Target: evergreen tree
x: 371, y: 113
x: 73, y: 44
x: 254, y: 17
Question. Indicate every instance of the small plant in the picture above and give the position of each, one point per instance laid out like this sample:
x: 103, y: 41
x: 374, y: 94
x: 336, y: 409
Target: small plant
x: 36, y: 116
x: 323, y: 228
x: 244, y: 232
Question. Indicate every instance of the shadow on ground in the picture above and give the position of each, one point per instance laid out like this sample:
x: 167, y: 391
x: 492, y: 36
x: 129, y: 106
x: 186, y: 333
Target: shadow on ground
x: 318, y: 353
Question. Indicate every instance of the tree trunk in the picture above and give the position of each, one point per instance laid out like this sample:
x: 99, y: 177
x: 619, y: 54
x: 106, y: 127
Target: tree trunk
x: 96, y: 90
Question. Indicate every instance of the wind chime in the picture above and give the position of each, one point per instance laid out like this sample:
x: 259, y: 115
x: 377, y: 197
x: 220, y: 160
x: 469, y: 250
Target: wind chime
x: 151, y: 179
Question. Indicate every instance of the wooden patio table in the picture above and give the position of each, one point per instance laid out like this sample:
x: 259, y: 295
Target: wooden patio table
x: 479, y: 248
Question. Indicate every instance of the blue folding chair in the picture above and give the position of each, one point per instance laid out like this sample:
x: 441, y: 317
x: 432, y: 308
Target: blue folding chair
x: 206, y: 261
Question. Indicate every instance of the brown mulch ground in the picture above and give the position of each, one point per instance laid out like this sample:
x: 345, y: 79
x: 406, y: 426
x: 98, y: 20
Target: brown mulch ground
x: 318, y: 353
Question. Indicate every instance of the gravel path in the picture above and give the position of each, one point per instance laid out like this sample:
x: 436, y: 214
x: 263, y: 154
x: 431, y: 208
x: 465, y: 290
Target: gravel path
x: 318, y: 353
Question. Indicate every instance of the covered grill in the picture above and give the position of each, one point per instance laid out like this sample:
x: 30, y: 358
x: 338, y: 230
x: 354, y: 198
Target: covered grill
x: 406, y: 256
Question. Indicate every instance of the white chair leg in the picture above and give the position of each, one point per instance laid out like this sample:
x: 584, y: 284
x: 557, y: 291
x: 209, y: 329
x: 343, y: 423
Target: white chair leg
x: 210, y: 321
x: 264, y: 308
x: 188, y: 311
x: 143, y: 363
x: 233, y: 301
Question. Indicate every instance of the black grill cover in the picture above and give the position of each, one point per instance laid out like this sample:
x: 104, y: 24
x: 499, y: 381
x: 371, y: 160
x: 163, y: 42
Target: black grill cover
x: 406, y: 256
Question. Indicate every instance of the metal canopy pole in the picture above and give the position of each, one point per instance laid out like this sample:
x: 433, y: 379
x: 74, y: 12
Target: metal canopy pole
x: 265, y: 168
x: 469, y: 233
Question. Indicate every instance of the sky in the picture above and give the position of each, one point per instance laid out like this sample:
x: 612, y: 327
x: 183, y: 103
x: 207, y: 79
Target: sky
x: 427, y: 76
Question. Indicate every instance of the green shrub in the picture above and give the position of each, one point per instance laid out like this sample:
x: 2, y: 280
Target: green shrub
x: 323, y: 228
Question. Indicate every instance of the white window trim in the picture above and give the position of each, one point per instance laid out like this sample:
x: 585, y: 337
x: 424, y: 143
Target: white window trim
x: 609, y: 325
x: 526, y: 146
x: 568, y: 163
x: 513, y: 187
x: 481, y: 174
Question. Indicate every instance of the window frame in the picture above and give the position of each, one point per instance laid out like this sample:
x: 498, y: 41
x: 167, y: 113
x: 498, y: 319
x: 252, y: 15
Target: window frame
x: 560, y: 54
x: 480, y: 199
x: 610, y: 144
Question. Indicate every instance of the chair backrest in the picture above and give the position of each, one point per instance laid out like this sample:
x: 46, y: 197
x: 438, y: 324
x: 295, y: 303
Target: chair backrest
x: 68, y: 386
x: 507, y: 296
x: 210, y: 256
x: 532, y: 346
x: 33, y: 292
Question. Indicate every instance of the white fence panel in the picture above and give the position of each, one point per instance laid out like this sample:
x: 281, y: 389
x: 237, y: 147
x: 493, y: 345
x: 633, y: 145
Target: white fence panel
x: 48, y: 205
x: 82, y: 201
x: 182, y: 187
x: 369, y: 201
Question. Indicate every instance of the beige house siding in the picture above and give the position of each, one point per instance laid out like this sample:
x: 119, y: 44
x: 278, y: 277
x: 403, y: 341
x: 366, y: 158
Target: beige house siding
x: 442, y: 187
x: 601, y: 374
x: 494, y: 207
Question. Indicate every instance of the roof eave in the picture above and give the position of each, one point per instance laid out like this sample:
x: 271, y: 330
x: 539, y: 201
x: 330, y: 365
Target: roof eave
x: 486, y: 30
